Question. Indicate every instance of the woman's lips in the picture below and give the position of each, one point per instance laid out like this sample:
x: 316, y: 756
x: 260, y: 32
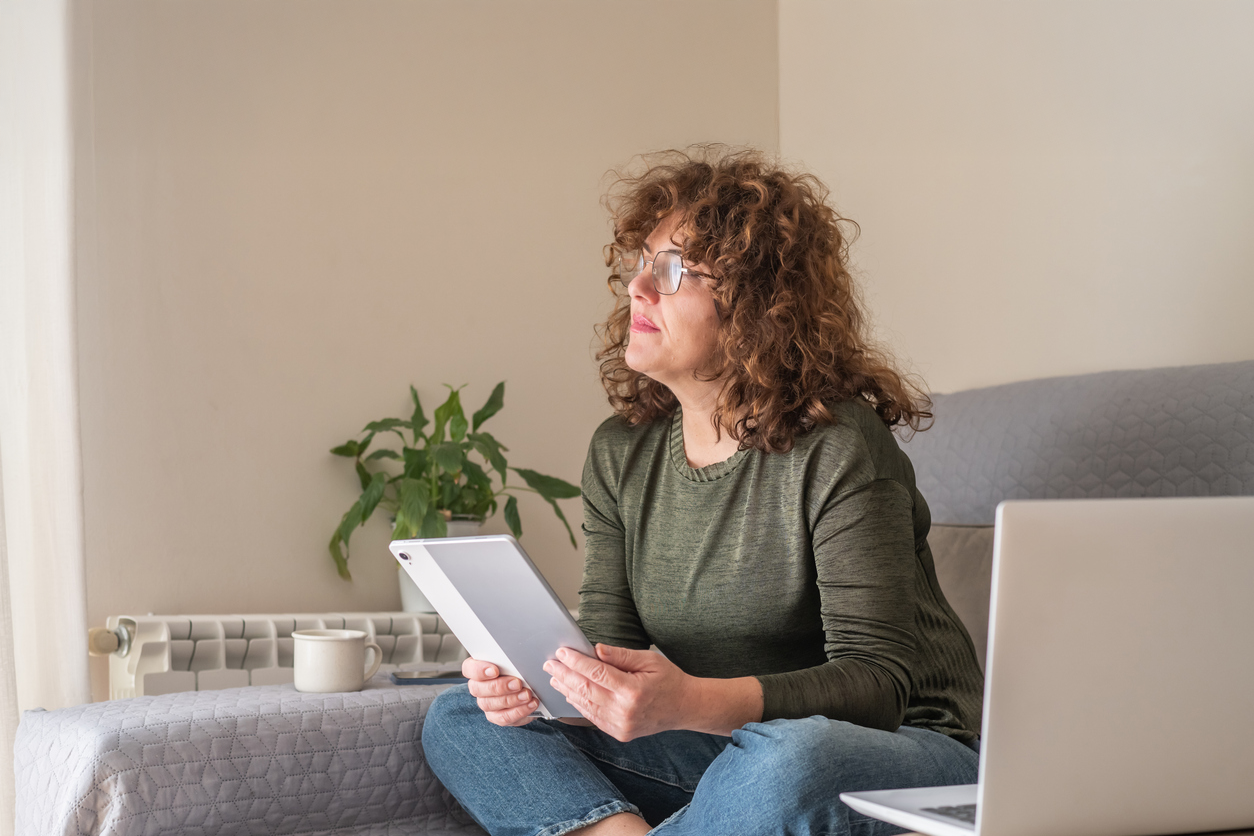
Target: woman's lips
x: 640, y: 325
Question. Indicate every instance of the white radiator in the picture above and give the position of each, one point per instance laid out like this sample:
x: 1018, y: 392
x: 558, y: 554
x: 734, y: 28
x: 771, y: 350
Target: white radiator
x: 161, y: 654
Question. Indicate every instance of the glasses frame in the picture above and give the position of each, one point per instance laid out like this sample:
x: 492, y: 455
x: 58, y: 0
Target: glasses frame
x: 648, y: 262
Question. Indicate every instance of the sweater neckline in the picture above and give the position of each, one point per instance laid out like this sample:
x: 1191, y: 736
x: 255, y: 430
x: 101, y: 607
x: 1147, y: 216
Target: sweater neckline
x: 679, y: 457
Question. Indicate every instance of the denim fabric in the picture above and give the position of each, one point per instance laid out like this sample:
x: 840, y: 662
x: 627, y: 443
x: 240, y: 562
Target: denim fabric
x: 781, y: 777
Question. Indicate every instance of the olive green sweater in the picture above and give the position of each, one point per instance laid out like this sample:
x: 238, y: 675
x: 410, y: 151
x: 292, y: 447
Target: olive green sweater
x: 809, y: 570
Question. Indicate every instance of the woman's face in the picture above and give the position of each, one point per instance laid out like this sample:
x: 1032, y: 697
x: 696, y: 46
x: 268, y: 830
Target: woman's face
x: 672, y: 336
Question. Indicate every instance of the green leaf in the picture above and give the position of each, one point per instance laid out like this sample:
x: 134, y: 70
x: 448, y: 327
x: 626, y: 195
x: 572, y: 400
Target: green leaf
x: 491, y: 449
x: 350, y: 520
x: 476, y: 476
x: 382, y: 454
x: 549, y: 487
x: 363, y: 475
x: 488, y: 438
x: 495, y: 401
x: 386, y: 425
x: 419, y: 420
x: 415, y: 463
x: 364, y: 444
x: 444, y: 412
x: 414, y: 501
x: 348, y: 448
x: 337, y: 554
x: 448, y: 491
x: 511, y: 517
x: 433, y: 524
x: 562, y: 517
x: 457, y: 426
x: 370, y: 499
x: 449, y: 456
x: 552, y: 489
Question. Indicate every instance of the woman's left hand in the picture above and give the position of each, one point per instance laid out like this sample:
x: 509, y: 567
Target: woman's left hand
x: 625, y: 693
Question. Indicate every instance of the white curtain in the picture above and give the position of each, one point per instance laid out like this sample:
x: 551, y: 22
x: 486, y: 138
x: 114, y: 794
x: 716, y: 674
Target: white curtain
x: 43, y: 658
x: 8, y: 683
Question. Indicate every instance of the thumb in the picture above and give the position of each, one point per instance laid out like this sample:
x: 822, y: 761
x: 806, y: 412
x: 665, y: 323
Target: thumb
x: 623, y: 658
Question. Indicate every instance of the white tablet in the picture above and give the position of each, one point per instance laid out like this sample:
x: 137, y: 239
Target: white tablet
x: 498, y: 605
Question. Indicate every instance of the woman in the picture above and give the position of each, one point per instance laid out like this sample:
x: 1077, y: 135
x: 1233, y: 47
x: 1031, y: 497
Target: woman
x: 748, y: 512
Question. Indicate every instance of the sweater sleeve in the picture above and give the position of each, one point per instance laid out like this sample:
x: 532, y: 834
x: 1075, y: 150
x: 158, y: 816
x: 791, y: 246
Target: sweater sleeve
x: 607, y: 610
x: 864, y: 555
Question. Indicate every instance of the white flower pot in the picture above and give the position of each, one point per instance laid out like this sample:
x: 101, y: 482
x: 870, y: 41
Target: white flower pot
x: 412, y: 599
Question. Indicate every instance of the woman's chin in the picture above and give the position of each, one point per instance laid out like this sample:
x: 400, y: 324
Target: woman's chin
x: 636, y: 359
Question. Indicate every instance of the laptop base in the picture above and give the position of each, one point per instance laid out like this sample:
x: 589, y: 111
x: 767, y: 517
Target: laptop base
x: 906, y: 808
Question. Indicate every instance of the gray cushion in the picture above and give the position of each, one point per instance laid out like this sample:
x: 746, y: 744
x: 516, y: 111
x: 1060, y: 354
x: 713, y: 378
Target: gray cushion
x: 1185, y: 431
x: 963, y: 555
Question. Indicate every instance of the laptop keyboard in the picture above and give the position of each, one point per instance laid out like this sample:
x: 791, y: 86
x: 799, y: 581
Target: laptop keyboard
x: 961, y: 812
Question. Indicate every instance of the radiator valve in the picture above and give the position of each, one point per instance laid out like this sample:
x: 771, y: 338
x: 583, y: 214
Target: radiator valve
x: 101, y: 641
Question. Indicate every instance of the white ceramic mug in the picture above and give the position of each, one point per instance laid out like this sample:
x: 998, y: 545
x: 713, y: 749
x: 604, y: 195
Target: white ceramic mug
x: 326, y: 661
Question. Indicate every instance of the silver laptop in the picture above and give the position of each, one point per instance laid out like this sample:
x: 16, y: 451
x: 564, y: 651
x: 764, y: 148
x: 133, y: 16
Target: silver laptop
x: 1119, y: 691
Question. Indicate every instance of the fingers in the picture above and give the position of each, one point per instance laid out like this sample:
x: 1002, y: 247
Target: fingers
x: 486, y: 680
x: 501, y: 686
x: 504, y: 699
x: 588, y: 668
x: 624, y: 658
x: 584, y: 682
x: 475, y: 669
x: 517, y: 716
x: 504, y: 702
x: 617, y: 690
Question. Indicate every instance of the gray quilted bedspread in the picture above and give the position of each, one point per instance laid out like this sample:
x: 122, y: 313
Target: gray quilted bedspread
x: 1186, y: 431
x: 259, y: 760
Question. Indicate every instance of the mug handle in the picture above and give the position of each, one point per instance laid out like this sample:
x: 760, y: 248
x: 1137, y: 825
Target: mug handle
x: 378, y: 659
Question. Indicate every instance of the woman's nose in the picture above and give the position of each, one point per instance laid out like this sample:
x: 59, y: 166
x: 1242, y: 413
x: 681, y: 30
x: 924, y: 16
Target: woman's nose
x: 642, y: 284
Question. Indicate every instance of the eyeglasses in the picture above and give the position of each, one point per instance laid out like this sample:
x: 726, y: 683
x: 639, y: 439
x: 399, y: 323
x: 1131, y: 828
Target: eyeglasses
x: 668, y: 269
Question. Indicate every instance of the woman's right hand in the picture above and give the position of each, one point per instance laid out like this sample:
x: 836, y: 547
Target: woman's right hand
x: 503, y: 699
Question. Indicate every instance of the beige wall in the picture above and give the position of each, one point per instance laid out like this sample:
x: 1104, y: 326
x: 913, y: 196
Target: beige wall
x: 1043, y: 187
x: 288, y: 210
x: 292, y: 209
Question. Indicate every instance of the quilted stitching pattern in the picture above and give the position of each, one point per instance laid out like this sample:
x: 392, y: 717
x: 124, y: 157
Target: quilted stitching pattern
x: 260, y: 760
x: 1158, y: 432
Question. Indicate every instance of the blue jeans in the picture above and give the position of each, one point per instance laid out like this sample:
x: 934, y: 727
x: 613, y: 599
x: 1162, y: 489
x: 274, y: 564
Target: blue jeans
x: 781, y: 777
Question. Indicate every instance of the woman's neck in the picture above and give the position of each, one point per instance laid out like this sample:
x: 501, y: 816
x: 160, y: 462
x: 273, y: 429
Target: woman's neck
x: 703, y: 445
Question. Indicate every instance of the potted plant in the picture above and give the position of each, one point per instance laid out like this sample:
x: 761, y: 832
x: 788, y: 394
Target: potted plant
x: 432, y: 478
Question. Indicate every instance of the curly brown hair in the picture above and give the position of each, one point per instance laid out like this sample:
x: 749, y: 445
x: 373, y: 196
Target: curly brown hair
x: 793, y: 336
